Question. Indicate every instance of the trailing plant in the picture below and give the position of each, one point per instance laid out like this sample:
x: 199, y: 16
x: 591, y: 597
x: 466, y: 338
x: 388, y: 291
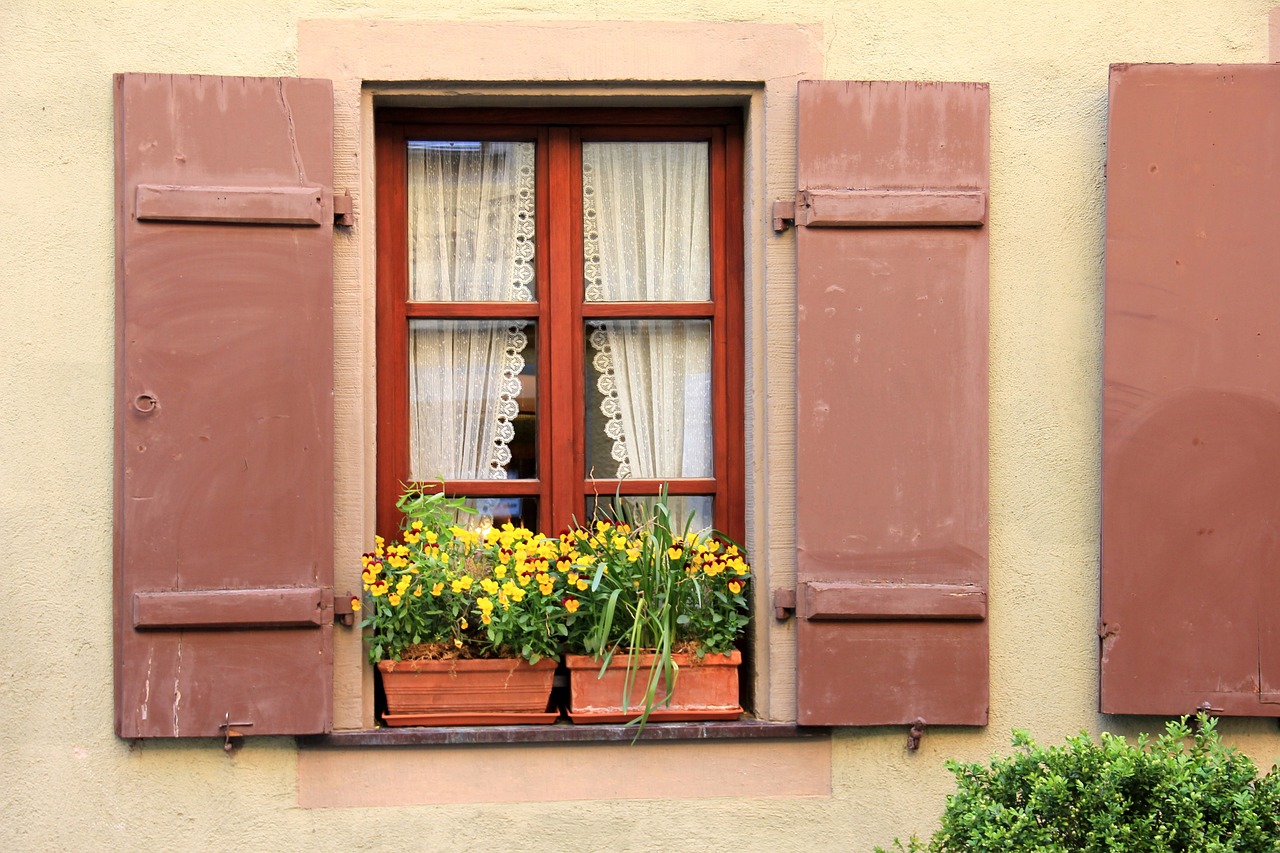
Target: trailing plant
x: 1181, y: 791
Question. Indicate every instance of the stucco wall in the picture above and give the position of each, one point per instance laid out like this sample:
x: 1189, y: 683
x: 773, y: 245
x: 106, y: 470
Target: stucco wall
x: 70, y: 784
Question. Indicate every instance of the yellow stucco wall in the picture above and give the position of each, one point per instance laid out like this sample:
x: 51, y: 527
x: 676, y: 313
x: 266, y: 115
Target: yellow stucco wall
x: 68, y: 783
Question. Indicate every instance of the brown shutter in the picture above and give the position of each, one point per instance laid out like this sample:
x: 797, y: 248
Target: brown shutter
x: 1191, y: 427
x: 224, y: 411
x: 891, y: 480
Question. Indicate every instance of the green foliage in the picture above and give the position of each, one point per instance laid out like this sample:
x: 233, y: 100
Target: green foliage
x: 1182, y: 791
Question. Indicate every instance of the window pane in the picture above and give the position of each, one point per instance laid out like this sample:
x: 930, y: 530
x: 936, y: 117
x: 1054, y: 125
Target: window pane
x: 648, y: 399
x: 471, y: 226
x: 641, y: 508
x: 472, y: 399
x: 494, y: 512
x: 646, y: 227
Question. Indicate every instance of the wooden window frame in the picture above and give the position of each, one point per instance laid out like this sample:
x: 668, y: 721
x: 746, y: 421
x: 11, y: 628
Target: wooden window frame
x: 562, y: 489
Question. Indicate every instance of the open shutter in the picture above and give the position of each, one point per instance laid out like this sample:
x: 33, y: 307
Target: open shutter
x: 891, y: 479
x: 1191, y: 428
x: 224, y: 411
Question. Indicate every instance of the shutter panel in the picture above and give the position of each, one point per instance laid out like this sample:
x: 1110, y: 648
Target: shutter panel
x: 224, y: 411
x: 891, y: 480
x: 1191, y: 426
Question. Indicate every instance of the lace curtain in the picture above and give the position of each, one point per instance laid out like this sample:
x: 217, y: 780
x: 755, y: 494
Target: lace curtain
x: 471, y: 237
x: 647, y: 237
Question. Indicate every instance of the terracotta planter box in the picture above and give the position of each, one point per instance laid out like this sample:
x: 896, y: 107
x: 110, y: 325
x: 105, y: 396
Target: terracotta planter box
x: 705, y: 689
x: 467, y: 692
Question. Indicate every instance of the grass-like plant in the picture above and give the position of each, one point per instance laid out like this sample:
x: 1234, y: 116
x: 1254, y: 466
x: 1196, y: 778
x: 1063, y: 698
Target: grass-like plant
x: 1181, y: 791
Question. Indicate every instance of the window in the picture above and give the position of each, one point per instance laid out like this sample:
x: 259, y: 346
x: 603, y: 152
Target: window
x: 560, y: 311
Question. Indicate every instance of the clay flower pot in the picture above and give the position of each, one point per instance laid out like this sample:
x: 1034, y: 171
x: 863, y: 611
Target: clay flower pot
x: 705, y: 689
x: 482, y: 692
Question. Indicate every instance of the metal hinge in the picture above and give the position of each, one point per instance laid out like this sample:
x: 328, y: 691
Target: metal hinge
x: 344, y: 211
x: 784, y: 604
x: 343, y: 612
x: 784, y: 214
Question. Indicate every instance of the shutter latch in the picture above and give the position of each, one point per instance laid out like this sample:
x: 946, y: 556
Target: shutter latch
x: 914, y: 735
x: 784, y: 604
x: 344, y: 211
x: 228, y: 732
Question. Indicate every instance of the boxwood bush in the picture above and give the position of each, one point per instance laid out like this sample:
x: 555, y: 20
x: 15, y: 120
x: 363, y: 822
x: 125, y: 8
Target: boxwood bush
x: 1183, y: 790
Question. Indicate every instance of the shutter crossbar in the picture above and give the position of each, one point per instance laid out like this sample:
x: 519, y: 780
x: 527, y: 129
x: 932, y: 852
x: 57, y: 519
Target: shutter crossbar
x: 249, y: 205
x: 890, y: 208
x: 874, y: 601
x: 234, y: 608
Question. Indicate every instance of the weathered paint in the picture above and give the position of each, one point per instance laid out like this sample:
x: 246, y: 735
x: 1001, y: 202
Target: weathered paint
x: 224, y: 422
x: 1047, y: 66
x: 891, y: 408
x: 1191, y: 393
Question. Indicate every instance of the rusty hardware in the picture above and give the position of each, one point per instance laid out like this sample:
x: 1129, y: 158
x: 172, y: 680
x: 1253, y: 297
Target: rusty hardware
x: 784, y: 213
x: 784, y: 604
x: 145, y: 403
x: 344, y: 212
x: 1203, y: 710
x: 915, y: 733
x: 228, y: 732
x: 342, y: 612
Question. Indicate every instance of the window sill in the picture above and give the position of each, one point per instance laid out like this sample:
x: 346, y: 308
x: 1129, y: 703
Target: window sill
x: 561, y: 733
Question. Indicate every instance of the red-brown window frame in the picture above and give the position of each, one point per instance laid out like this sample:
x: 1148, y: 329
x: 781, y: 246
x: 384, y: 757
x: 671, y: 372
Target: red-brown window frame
x: 559, y: 293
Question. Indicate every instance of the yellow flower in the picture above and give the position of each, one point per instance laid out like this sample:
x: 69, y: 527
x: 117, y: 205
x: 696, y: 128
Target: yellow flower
x: 675, y: 552
x: 377, y: 588
x: 355, y: 604
x: 563, y: 565
x: 633, y: 554
x: 489, y: 585
x: 582, y: 584
x: 394, y: 599
x: 432, y: 536
x: 484, y: 604
x: 571, y: 604
x: 499, y: 572
x: 438, y: 588
x: 456, y: 641
x: 463, y: 624
x: 735, y: 587
x: 411, y: 537
x: 572, y: 577
x: 369, y: 575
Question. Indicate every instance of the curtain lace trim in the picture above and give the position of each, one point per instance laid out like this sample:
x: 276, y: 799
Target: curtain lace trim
x: 521, y: 290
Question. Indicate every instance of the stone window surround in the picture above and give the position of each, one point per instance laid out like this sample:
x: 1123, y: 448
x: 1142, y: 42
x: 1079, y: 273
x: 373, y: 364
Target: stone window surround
x: 425, y: 63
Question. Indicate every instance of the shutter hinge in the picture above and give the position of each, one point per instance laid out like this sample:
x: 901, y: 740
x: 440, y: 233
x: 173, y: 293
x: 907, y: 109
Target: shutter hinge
x: 784, y: 604
x: 784, y: 213
x: 344, y: 211
x: 343, y: 612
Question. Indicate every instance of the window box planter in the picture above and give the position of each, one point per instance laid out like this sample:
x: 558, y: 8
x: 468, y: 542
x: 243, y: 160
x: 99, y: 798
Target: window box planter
x: 705, y: 689
x: 480, y: 692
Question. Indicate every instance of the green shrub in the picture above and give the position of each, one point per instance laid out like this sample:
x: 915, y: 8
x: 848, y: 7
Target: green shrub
x: 1181, y: 791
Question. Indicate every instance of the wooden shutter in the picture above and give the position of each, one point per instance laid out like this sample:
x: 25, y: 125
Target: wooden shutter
x: 1191, y: 427
x: 891, y: 479
x: 224, y: 411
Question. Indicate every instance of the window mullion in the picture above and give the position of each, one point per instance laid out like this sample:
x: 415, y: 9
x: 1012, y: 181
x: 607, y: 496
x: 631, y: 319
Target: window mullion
x: 564, y: 309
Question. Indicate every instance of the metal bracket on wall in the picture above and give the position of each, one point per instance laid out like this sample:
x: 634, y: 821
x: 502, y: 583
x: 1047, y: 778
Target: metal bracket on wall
x: 343, y: 612
x: 784, y: 604
x: 784, y: 214
x: 344, y: 212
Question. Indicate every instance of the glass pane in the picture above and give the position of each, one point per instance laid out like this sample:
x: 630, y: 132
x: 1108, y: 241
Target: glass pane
x: 471, y: 227
x: 648, y: 399
x: 472, y: 399
x: 646, y: 226
x: 679, y: 507
x: 494, y: 512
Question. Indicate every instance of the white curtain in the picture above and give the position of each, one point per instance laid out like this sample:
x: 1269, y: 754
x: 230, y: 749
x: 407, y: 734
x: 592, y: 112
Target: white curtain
x: 471, y: 237
x: 646, y: 238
